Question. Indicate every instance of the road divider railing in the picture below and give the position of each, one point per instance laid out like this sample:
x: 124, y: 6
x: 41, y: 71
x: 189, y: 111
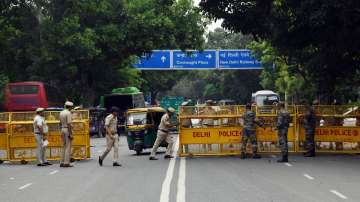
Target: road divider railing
x: 4, y: 136
x: 217, y: 130
x: 22, y: 143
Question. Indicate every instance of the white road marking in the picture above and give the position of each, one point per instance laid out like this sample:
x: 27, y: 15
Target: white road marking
x: 288, y: 164
x: 165, y: 189
x: 25, y: 186
x: 53, y: 172
x: 12, y: 178
x: 338, y: 194
x: 180, y: 197
x: 308, y: 176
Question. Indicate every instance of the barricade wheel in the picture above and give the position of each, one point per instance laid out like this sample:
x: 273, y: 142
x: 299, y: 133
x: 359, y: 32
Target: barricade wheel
x: 23, y: 162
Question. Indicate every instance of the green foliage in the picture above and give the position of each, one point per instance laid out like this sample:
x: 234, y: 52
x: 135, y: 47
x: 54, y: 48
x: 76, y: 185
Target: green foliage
x: 85, y: 48
x: 318, y: 38
x: 3, y: 81
x: 276, y: 75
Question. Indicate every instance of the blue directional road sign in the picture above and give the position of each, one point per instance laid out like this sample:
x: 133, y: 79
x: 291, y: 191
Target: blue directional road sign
x: 194, y: 59
x: 158, y: 59
x: 237, y: 59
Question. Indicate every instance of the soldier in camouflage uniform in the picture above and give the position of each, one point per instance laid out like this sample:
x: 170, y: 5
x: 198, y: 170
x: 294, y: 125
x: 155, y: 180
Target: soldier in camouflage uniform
x: 282, y: 125
x: 309, y: 126
x: 249, y: 132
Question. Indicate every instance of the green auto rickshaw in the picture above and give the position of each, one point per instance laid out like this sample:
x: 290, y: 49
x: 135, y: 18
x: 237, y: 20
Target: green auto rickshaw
x: 141, y: 127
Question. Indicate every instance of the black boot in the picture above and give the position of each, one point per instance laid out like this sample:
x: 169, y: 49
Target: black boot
x: 284, y: 159
x: 256, y: 156
x: 310, y: 153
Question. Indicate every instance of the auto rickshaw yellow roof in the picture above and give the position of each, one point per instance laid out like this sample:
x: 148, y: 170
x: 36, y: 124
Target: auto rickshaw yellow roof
x: 149, y: 109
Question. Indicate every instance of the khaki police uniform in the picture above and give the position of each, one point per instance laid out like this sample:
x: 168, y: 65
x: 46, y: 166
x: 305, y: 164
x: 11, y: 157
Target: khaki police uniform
x: 66, y: 135
x: 39, y: 121
x: 163, y: 134
x: 112, y: 140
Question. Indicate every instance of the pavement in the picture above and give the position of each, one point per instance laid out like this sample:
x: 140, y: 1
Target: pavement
x: 326, y: 178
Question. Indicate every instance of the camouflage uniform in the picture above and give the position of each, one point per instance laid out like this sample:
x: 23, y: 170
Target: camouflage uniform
x: 282, y: 125
x: 309, y: 126
x: 249, y: 131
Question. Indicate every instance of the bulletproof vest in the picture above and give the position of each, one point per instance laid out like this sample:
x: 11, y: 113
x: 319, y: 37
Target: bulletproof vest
x: 249, y: 120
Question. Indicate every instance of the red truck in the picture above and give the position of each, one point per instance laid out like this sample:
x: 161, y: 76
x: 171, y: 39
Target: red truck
x: 25, y: 96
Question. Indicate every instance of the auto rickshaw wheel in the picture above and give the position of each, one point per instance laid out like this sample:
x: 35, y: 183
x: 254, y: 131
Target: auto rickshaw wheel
x: 23, y: 162
x: 138, y: 150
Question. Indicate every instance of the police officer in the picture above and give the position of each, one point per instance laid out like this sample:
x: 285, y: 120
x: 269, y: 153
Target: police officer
x: 163, y: 134
x: 112, y: 137
x: 66, y: 134
x: 249, y: 132
x: 282, y: 125
x: 309, y: 126
x: 40, y: 130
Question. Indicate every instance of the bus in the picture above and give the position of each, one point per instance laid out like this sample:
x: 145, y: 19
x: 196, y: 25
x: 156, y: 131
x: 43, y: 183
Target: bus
x: 25, y: 96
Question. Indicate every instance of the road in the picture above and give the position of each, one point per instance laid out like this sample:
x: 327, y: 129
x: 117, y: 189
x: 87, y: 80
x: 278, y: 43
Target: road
x: 328, y: 178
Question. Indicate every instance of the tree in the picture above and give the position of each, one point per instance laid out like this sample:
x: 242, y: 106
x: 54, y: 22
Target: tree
x: 316, y: 36
x: 226, y: 84
x: 86, y: 48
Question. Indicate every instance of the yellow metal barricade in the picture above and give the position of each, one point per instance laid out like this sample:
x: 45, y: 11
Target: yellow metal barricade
x: 267, y: 136
x: 210, y: 130
x: 337, y: 129
x: 81, y: 131
x: 217, y: 130
x: 4, y: 136
x: 22, y: 143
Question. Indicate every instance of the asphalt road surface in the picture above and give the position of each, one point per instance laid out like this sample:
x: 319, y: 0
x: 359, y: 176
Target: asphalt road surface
x: 327, y: 178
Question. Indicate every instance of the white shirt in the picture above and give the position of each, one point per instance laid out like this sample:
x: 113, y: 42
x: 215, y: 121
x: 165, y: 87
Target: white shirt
x: 39, y: 121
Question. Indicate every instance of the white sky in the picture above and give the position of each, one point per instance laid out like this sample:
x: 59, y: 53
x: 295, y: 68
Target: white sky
x: 213, y: 25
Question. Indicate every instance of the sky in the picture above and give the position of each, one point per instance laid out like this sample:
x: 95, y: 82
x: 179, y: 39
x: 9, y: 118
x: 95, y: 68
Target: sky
x: 212, y: 26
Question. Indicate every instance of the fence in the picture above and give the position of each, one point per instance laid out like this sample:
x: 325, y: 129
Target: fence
x: 20, y: 142
x: 217, y: 130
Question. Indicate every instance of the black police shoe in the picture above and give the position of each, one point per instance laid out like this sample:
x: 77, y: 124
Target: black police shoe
x: 152, y: 158
x: 168, y: 157
x: 284, y: 159
x: 256, y: 156
x: 48, y: 163
x: 116, y: 164
x: 100, y: 161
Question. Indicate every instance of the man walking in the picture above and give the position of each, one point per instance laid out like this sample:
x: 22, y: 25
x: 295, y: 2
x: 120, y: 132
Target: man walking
x: 40, y: 129
x: 310, y: 126
x: 112, y: 137
x: 163, y: 134
x: 66, y: 134
x: 282, y: 125
x: 249, y: 132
